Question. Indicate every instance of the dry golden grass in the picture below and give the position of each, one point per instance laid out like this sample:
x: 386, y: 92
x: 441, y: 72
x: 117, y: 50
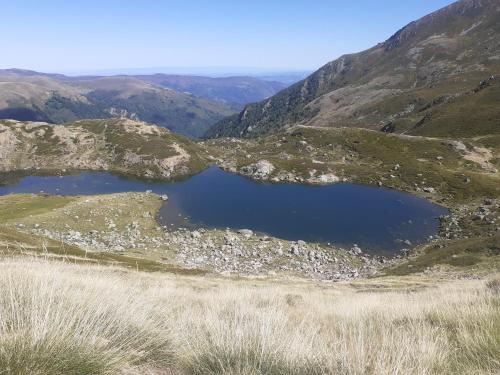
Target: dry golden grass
x: 58, y: 318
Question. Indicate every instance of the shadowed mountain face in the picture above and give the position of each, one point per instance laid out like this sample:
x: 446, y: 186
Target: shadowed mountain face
x: 437, y: 76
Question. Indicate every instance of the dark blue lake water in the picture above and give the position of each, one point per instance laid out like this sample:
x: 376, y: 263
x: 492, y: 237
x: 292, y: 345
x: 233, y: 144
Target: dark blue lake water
x: 376, y: 219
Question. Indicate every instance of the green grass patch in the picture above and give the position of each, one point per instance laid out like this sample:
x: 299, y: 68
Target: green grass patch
x: 368, y: 157
x: 479, y: 253
x: 18, y: 206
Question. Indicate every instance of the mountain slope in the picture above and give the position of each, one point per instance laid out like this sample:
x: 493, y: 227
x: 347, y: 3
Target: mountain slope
x: 234, y: 92
x: 422, y: 80
x: 28, y: 96
x: 117, y: 145
x: 179, y: 112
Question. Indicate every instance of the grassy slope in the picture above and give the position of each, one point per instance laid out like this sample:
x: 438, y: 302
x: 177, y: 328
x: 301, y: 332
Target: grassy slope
x: 149, y: 146
x: 471, y: 256
x: 425, y: 75
x: 127, y: 321
x: 123, y: 320
x: 438, y: 114
x: 18, y: 212
x: 104, y: 144
x: 369, y: 157
x: 388, y: 324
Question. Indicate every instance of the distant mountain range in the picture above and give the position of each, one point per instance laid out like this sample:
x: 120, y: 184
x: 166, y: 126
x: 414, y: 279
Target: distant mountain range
x: 187, y: 105
x: 286, y: 76
x: 438, y: 76
x: 233, y: 91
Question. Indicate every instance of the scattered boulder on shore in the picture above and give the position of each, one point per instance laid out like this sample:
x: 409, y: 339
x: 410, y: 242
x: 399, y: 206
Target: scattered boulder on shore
x: 260, y: 170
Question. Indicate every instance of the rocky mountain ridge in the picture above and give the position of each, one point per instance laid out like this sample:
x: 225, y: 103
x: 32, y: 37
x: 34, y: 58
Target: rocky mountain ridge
x: 419, y: 81
x: 118, y: 145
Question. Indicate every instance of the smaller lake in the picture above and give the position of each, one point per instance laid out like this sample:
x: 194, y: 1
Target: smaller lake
x: 377, y: 219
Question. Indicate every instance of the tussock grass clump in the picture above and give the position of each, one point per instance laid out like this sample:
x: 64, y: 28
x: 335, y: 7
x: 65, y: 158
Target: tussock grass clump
x: 250, y: 338
x: 53, y: 323
x: 59, y: 318
x: 494, y: 285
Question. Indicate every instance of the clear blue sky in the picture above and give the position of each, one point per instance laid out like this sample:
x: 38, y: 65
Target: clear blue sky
x: 87, y: 35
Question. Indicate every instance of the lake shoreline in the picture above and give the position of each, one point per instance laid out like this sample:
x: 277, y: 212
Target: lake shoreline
x: 229, y: 192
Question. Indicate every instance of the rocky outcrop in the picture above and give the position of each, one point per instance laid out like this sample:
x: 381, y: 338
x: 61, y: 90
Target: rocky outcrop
x: 126, y: 223
x: 261, y: 170
x: 470, y: 220
x: 124, y: 146
x: 249, y: 254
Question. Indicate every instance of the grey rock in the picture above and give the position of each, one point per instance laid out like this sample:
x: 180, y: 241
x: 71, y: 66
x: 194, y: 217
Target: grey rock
x: 260, y: 170
x: 246, y: 232
x: 294, y: 249
x: 356, y: 249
